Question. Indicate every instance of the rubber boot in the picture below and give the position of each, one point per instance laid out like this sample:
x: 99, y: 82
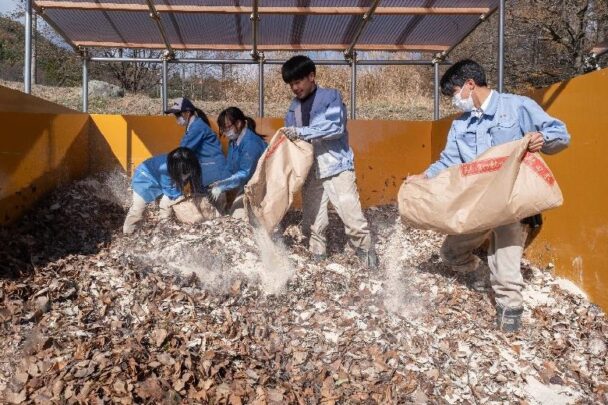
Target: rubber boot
x: 508, y: 319
x: 134, y: 215
x: 368, y: 258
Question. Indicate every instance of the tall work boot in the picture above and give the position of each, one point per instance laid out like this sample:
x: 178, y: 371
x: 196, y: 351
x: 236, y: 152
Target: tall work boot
x: 508, y: 319
x: 134, y: 215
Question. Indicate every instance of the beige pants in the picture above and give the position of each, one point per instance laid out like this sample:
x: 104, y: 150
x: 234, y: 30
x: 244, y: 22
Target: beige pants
x: 504, y: 259
x: 341, y: 191
x: 134, y: 215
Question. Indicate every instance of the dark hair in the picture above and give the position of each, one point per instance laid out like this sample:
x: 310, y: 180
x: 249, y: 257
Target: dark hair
x: 202, y: 116
x: 459, y: 73
x: 296, y: 68
x: 184, y: 169
x: 234, y: 114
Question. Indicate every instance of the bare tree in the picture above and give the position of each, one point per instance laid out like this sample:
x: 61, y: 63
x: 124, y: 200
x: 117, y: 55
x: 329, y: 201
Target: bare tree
x: 135, y: 76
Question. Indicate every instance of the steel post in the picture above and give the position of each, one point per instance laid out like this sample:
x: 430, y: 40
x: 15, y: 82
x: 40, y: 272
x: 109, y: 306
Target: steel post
x: 353, y: 86
x: 261, y: 87
x: 85, y: 82
x: 164, y: 94
x: 436, y: 91
x: 501, y: 45
x: 27, y: 59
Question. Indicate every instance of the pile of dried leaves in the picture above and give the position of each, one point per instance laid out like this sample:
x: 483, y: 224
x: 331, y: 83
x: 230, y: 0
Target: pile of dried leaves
x: 218, y: 313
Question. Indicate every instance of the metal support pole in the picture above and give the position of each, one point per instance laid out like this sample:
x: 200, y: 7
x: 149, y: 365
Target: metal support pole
x: 261, y: 86
x: 27, y: 60
x: 164, y: 85
x: 501, y: 45
x: 255, y: 19
x: 34, y: 47
x: 85, y: 82
x: 436, y: 91
x: 353, y: 86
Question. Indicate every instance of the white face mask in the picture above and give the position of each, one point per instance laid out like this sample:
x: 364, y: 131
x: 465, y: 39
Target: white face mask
x: 465, y: 105
x: 181, y: 121
x: 231, y: 135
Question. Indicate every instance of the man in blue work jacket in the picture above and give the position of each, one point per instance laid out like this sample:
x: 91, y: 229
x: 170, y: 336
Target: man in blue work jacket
x: 318, y: 115
x: 490, y: 118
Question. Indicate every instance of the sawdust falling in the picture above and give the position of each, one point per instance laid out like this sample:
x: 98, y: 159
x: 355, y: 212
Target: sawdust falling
x: 276, y: 268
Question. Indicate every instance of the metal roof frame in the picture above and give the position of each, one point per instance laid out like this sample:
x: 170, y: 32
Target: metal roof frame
x: 349, y: 46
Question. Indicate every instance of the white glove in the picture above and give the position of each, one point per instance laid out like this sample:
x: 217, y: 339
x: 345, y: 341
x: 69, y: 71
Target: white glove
x: 291, y: 133
x: 215, y: 193
x: 165, y: 205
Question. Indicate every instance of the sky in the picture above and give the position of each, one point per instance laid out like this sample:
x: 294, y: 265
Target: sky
x: 7, y: 6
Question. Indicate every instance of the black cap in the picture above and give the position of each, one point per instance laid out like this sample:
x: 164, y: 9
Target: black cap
x: 179, y: 105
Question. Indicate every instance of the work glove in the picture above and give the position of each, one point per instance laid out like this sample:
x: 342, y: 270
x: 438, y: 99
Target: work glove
x: 216, y: 191
x: 165, y: 206
x: 291, y: 133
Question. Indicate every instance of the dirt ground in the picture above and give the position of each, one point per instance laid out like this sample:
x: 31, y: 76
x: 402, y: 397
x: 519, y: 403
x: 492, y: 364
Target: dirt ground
x: 218, y: 312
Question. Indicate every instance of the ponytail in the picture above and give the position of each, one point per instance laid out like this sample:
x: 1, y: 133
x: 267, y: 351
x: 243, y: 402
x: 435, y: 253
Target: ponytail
x: 202, y: 116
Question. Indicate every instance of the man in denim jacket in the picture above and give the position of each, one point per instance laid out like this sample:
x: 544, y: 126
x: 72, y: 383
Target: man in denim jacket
x: 491, y: 118
x: 318, y: 116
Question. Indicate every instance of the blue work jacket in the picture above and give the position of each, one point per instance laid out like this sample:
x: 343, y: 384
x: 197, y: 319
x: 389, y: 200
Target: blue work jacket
x: 327, y: 132
x: 507, y: 118
x: 204, y: 142
x: 151, y: 180
x: 242, y: 160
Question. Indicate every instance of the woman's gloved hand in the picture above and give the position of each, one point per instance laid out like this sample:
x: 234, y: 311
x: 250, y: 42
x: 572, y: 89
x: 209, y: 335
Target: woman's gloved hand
x: 165, y: 206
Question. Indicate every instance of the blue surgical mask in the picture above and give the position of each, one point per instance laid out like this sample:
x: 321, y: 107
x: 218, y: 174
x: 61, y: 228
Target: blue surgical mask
x: 465, y: 105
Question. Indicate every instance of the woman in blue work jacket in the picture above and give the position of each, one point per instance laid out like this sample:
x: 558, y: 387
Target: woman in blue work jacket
x: 170, y: 176
x: 244, y: 150
x: 201, y: 139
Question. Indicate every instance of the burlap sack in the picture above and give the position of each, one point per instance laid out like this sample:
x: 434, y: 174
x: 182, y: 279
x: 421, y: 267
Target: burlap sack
x: 503, y: 185
x: 195, y: 210
x: 280, y: 173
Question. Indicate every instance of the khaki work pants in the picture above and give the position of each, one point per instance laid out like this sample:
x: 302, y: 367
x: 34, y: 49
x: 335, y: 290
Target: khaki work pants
x: 135, y: 214
x: 504, y: 259
x: 341, y: 191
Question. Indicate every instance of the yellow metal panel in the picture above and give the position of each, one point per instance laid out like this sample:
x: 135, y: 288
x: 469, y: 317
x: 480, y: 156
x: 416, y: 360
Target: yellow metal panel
x: 575, y: 236
x: 39, y: 152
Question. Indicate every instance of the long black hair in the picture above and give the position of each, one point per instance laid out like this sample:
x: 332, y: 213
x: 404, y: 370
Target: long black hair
x: 200, y: 113
x: 185, y: 170
x: 234, y: 114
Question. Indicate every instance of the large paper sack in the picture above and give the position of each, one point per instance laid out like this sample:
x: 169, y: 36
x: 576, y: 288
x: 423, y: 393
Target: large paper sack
x: 280, y: 173
x: 503, y: 185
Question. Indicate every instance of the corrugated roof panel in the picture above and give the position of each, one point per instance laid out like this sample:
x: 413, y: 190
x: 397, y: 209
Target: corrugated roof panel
x: 418, y: 29
x: 439, y: 3
x: 309, y: 29
x: 100, y: 26
x: 197, y: 29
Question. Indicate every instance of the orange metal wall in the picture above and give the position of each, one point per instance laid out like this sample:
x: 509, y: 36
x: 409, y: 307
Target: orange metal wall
x: 38, y: 153
x: 574, y: 237
x: 385, y: 151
